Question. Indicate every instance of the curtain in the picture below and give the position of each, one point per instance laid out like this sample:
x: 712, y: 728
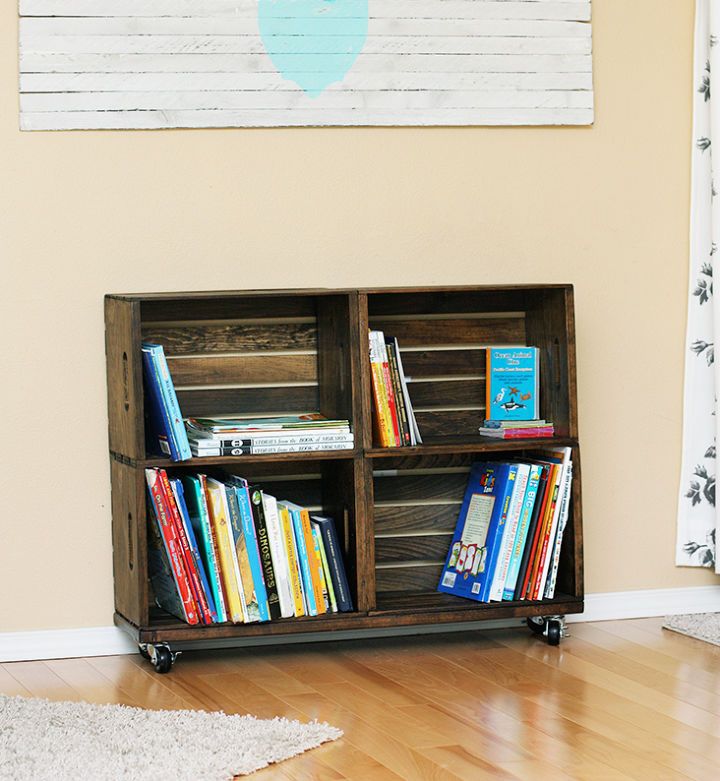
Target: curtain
x: 697, y: 515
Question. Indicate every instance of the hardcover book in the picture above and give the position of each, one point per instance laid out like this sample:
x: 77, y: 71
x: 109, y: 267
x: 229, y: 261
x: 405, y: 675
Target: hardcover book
x: 335, y: 562
x: 474, y: 551
x: 512, y: 383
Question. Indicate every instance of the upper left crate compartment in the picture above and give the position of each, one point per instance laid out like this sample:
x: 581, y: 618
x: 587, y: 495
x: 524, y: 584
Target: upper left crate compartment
x: 251, y: 354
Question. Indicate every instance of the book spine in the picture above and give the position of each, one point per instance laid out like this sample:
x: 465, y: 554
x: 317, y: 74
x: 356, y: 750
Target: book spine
x: 403, y: 425
x: 337, y: 567
x: 506, y: 547
x: 223, y: 535
x: 265, y: 554
x: 521, y: 534
x: 534, y: 542
x: 246, y: 587
x: 168, y: 391
x: 292, y: 560
x: 564, y: 514
x: 387, y: 382
x: 248, y: 527
x: 312, y: 561
x: 321, y: 572
x: 211, y: 548
x: 205, y: 592
x: 188, y: 560
x: 382, y: 411
x: 172, y: 546
x: 244, y: 445
x: 325, y: 568
x: 415, y: 438
x: 304, y: 559
x: 279, y: 560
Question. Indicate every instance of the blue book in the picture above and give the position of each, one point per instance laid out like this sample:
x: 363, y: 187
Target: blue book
x: 302, y: 552
x: 512, y: 383
x: 173, y: 422
x: 200, y: 521
x: 335, y: 562
x: 522, y: 532
x: 177, y: 487
x: 474, y: 552
x: 246, y: 517
x: 158, y: 434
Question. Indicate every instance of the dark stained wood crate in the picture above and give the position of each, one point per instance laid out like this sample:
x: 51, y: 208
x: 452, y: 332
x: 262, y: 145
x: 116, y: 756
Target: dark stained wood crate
x: 281, y: 352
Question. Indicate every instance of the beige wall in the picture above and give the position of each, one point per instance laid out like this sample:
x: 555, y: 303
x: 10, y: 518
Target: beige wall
x: 605, y: 208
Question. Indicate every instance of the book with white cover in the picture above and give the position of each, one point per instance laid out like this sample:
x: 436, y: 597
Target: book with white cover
x: 278, y: 556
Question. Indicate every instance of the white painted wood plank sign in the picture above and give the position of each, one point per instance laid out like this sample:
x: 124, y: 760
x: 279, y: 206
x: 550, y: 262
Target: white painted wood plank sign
x: 278, y: 63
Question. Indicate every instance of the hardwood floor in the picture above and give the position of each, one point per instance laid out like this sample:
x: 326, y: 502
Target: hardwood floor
x: 617, y: 700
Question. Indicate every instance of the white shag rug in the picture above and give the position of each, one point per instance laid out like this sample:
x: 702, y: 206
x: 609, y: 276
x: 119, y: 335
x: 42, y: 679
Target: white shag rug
x: 701, y: 626
x: 66, y: 741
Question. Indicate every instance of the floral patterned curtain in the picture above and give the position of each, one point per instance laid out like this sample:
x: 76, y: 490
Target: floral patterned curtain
x: 697, y: 517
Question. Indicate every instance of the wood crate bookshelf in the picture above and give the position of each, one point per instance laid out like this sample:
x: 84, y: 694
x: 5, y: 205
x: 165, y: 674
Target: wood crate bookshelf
x: 288, y: 351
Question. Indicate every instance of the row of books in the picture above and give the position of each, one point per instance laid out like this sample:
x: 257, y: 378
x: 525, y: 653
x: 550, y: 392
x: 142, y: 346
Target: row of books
x: 510, y: 529
x: 393, y: 417
x: 517, y: 429
x: 223, y: 550
x: 281, y: 434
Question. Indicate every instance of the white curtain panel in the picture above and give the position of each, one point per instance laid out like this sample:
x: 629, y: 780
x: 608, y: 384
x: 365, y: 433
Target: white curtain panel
x: 697, y: 514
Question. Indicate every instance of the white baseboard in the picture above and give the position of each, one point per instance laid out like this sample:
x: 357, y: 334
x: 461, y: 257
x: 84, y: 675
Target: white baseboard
x: 111, y: 641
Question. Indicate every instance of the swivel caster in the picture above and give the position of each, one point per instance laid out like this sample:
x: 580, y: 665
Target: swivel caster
x: 160, y: 655
x: 551, y: 627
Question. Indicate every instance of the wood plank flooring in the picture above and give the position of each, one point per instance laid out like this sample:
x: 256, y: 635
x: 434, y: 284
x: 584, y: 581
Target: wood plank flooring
x: 617, y: 700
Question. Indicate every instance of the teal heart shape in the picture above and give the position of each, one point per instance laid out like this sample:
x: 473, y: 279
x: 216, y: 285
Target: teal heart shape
x: 313, y: 43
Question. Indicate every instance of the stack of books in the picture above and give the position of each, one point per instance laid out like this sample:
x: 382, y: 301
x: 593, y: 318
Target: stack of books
x: 394, y: 421
x: 517, y: 429
x: 223, y: 550
x: 509, y: 533
x: 165, y: 432
x: 289, y: 434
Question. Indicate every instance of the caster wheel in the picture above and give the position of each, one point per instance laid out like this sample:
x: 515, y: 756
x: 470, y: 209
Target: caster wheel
x: 536, y: 624
x: 554, y: 632
x: 163, y: 660
x: 144, y: 652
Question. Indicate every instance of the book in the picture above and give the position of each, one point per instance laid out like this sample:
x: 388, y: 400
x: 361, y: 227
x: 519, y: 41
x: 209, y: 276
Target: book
x: 242, y: 493
x: 381, y: 408
x: 219, y: 518
x: 158, y: 434
x: 263, y: 539
x: 522, y: 532
x: 172, y: 417
x: 306, y: 562
x: 564, y: 514
x: 201, y: 452
x: 512, y: 383
x: 163, y: 582
x: 473, y: 554
x: 509, y: 531
x: 188, y: 559
x: 325, y: 566
x: 517, y: 433
x: 389, y: 392
x: 170, y: 541
x: 403, y: 422
x: 317, y: 541
x: 415, y: 437
x: 504, y: 424
x: 290, y: 543
x: 200, y: 520
x: 206, y: 597
x: 248, y: 597
x: 335, y: 562
x: 279, y: 557
x: 310, y: 421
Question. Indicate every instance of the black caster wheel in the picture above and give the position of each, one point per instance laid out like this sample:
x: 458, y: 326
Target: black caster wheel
x: 554, y: 632
x: 163, y: 659
x: 536, y: 624
x: 144, y: 652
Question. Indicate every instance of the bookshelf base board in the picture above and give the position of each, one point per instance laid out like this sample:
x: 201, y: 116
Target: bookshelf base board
x: 170, y: 630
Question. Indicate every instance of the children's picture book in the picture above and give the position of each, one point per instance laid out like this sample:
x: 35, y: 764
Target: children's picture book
x: 475, y: 548
x: 512, y: 383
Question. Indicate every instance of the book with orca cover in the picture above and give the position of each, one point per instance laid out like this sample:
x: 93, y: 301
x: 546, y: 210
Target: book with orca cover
x: 512, y: 383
